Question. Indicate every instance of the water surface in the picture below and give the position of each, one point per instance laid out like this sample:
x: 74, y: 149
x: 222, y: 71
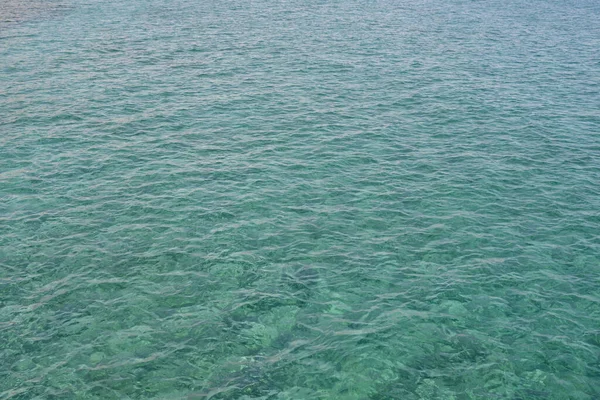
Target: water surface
x: 300, y: 200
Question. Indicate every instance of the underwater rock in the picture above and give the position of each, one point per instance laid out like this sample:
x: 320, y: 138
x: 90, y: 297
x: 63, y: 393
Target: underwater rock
x: 24, y: 364
x: 257, y: 336
x: 453, y: 308
x: 243, y: 376
x: 469, y: 346
x: 96, y: 357
x: 429, y: 390
x: 305, y: 277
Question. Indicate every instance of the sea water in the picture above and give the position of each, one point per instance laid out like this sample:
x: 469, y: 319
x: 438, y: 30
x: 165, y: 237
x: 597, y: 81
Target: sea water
x: 345, y: 199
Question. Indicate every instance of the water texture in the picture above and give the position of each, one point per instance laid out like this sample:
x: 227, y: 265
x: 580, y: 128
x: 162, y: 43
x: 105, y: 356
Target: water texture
x: 343, y: 199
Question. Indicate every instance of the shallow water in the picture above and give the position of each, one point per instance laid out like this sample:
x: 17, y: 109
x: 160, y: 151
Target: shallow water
x: 300, y: 200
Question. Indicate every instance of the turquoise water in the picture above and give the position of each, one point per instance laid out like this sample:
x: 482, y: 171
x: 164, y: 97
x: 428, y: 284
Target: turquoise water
x: 347, y: 199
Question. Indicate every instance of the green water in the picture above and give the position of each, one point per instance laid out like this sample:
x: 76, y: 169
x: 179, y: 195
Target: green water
x: 344, y: 199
